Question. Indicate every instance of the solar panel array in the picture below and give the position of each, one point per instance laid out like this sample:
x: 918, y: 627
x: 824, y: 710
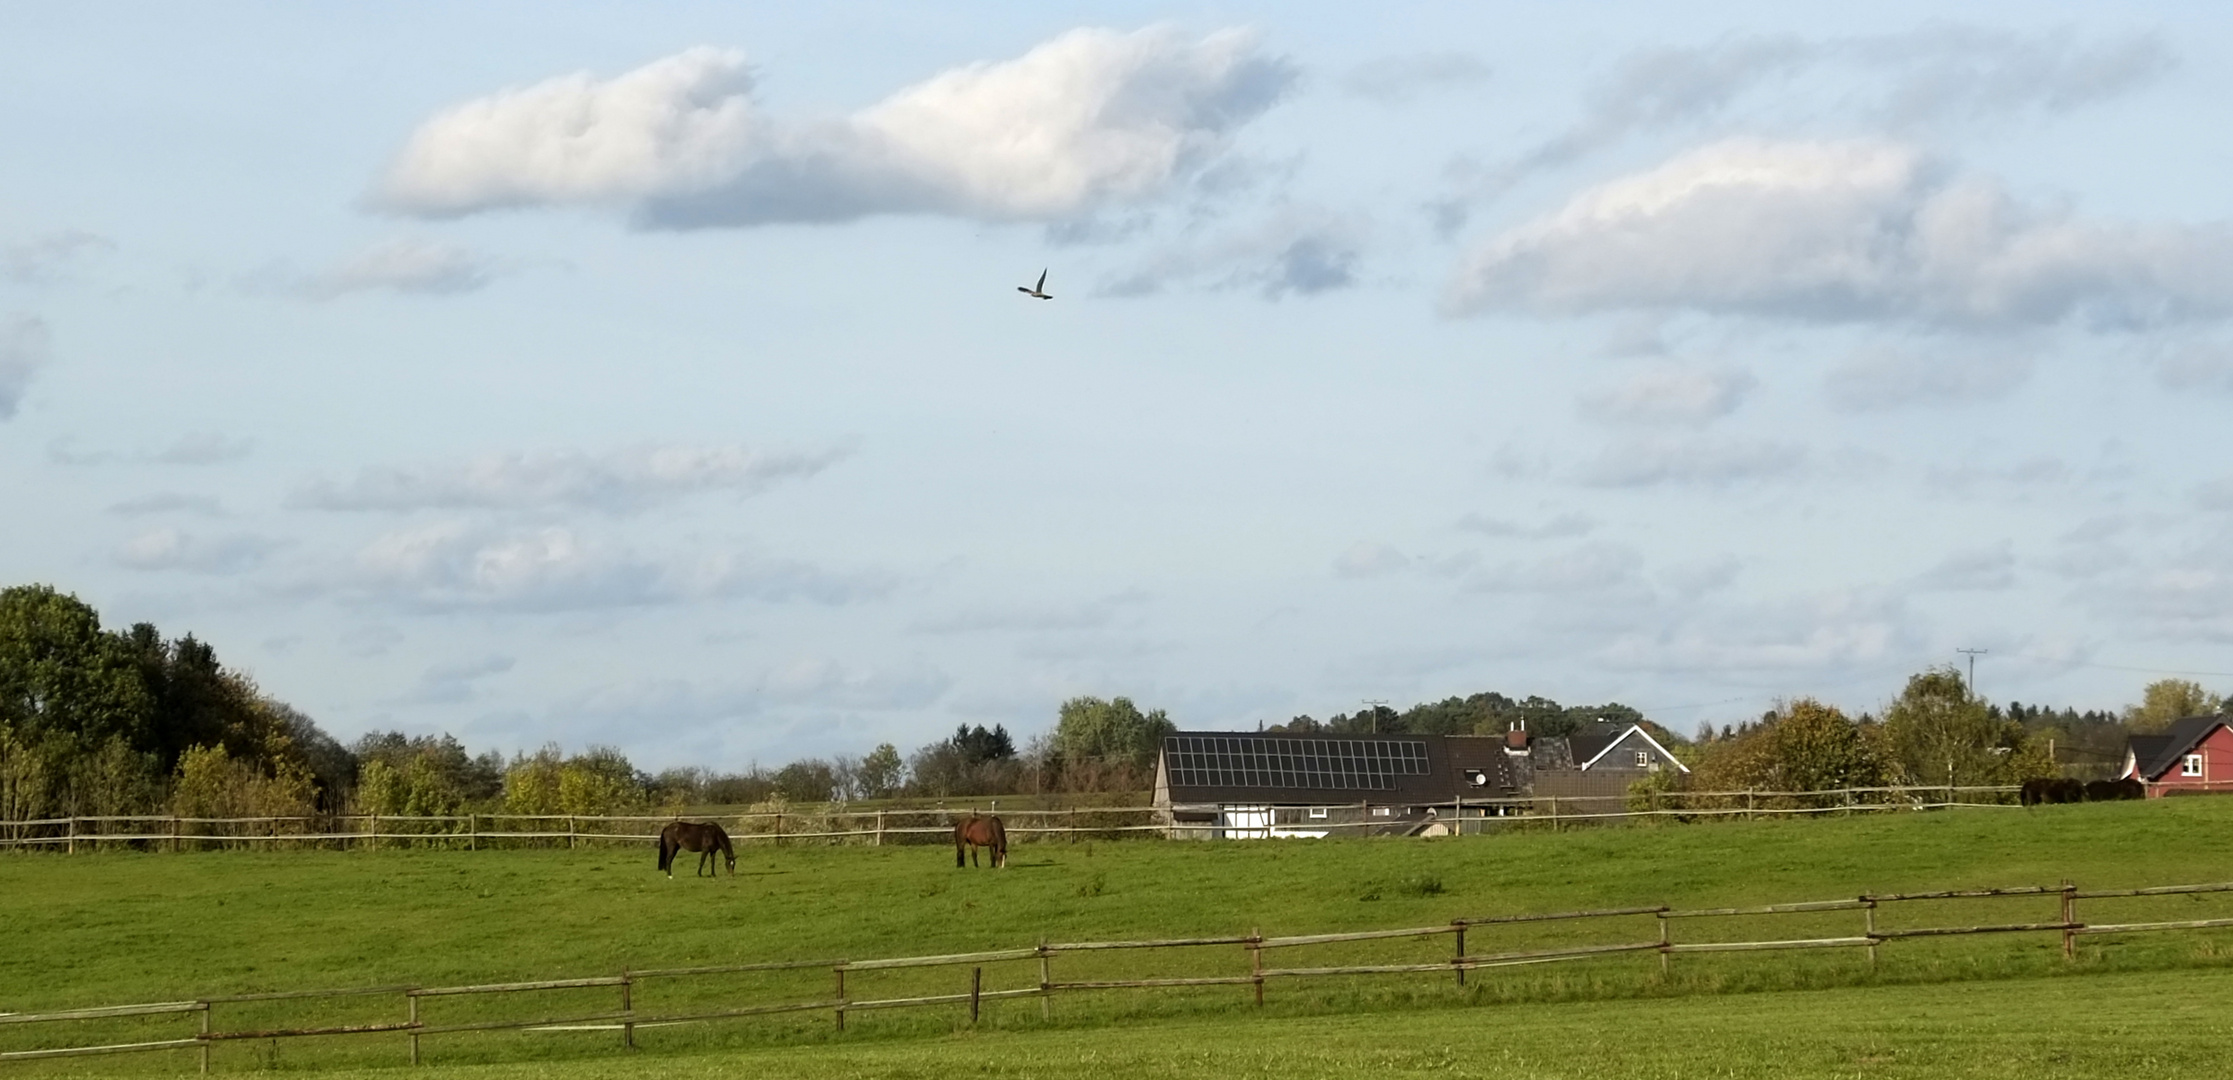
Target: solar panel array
x: 1281, y: 762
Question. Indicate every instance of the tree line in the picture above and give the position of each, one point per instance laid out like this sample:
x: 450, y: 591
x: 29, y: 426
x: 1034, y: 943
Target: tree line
x: 101, y: 722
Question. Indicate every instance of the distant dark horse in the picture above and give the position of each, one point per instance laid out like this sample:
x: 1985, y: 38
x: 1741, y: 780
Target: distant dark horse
x: 981, y: 832
x: 704, y: 837
x: 2035, y: 792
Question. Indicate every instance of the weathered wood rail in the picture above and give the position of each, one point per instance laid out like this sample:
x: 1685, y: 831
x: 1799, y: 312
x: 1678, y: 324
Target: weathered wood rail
x: 627, y: 1017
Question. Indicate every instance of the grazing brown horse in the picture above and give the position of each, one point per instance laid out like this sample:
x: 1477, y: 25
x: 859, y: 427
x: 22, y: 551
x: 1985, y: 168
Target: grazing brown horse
x: 704, y: 837
x: 981, y: 832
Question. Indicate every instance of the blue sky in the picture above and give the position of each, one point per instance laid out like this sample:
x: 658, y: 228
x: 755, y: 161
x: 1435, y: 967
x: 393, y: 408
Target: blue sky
x: 657, y: 377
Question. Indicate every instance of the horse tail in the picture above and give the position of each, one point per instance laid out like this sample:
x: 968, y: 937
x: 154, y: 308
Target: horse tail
x: 960, y: 836
x: 667, y: 848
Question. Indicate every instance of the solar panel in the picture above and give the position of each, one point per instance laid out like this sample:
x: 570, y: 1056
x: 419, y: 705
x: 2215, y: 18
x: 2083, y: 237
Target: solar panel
x: 1277, y: 762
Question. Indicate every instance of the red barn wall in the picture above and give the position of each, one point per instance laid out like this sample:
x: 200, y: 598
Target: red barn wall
x: 2217, y: 766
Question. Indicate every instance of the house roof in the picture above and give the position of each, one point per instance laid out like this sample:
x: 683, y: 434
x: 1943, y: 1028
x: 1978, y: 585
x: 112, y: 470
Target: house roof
x: 1334, y: 769
x: 2153, y: 755
x: 1592, y: 743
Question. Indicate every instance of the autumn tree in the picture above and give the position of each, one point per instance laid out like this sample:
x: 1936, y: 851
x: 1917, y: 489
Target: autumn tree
x: 2166, y: 700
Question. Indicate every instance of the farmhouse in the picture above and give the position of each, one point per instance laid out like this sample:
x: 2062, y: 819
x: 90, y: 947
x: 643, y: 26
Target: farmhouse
x: 1253, y: 785
x: 2193, y: 754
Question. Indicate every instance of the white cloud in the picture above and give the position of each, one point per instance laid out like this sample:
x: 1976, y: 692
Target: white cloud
x: 44, y: 259
x: 1670, y: 396
x: 1570, y: 523
x: 2197, y: 365
x: 1987, y: 569
x: 1933, y: 75
x: 192, y: 448
x: 422, y: 267
x: 23, y: 351
x: 1799, y: 634
x: 1589, y: 568
x: 452, y: 566
x: 175, y: 549
x: 1841, y: 231
x: 1703, y: 462
x: 621, y: 481
x: 1300, y: 252
x: 1367, y: 558
x: 1889, y: 379
x: 1088, y: 119
x: 1393, y: 80
x: 449, y: 684
x: 813, y: 684
x: 170, y: 502
x: 1037, y: 618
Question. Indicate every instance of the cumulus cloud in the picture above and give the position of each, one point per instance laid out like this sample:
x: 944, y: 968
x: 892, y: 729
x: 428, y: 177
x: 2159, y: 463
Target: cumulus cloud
x: 1089, y: 119
x: 449, y: 684
x: 453, y: 566
x: 1091, y: 614
x: 2206, y: 366
x: 1939, y: 73
x: 192, y: 448
x: 1588, y: 568
x: 807, y: 683
x: 170, y: 502
x: 617, y: 482
x: 1841, y: 231
x: 1296, y: 252
x: 43, y: 260
x: 1571, y: 523
x: 1367, y: 558
x: 1393, y: 80
x: 1688, y: 397
x: 1887, y: 379
x: 1700, y: 462
x: 1987, y: 569
x: 24, y: 345
x: 413, y: 266
x: 176, y: 549
x: 1801, y: 633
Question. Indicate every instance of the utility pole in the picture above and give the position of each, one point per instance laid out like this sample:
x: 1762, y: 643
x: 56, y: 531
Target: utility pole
x: 1374, y: 704
x: 1973, y: 654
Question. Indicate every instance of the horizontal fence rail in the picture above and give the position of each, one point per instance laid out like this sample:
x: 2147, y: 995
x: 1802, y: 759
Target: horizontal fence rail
x: 931, y: 825
x: 625, y: 1016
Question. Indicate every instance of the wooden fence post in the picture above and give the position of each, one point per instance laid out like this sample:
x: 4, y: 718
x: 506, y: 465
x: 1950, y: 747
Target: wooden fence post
x: 628, y: 1006
x: 2069, y: 917
x: 1554, y: 813
x: 413, y: 998
x: 976, y: 988
x: 1046, y: 981
x: 1073, y: 824
x: 174, y: 834
x: 879, y: 828
x: 840, y: 971
x: 1256, y: 963
x: 1868, y: 927
x: 473, y: 840
x: 204, y: 1049
x: 1665, y: 952
x: 1458, y: 962
x: 569, y: 832
x: 779, y: 828
x: 73, y: 835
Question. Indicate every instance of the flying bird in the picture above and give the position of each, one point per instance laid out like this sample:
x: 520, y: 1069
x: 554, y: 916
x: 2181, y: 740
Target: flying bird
x: 1039, y: 290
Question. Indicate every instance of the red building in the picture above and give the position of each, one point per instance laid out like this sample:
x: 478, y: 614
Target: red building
x: 2194, y: 754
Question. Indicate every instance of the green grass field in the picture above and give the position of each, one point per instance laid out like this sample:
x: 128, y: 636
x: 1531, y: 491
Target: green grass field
x: 120, y: 927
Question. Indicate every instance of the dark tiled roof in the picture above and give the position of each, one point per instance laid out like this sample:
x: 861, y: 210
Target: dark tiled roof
x: 1592, y: 739
x: 2153, y: 755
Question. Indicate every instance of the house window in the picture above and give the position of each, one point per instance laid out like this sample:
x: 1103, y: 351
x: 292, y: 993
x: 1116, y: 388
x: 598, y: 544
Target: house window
x: 1382, y: 811
x: 2192, y: 767
x: 1317, y: 813
x: 1643, y: 759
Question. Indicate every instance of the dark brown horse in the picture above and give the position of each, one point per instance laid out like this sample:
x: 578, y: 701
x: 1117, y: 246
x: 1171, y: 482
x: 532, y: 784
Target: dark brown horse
x: 981, y: 832
x: 704, y: 837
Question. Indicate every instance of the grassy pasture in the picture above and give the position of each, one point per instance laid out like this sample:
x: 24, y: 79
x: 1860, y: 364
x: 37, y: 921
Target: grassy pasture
x: 119, y: 927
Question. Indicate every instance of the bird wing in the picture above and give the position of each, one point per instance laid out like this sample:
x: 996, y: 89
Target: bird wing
x: 1042, y: 286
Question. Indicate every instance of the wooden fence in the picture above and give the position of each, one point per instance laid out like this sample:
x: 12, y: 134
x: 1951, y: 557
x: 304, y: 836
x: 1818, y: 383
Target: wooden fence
x: 877, y: 827
x: 624, y: 1017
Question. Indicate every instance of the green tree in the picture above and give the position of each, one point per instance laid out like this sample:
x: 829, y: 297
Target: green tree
x: 881, y: 773
x: 1803, y: 745
x: 1116, y: 732
x: 2166, y: 700
x: 1937, y: 732
x: 66, y: 690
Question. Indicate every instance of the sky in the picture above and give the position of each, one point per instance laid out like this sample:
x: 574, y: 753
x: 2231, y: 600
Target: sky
x: 658, y: 378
